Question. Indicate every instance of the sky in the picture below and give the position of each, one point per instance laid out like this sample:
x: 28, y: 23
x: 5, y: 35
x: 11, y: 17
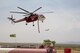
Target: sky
x: 63, y: 24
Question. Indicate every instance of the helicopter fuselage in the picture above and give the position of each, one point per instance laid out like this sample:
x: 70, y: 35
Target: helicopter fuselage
x: 34, y: 17
x: 31, y: 18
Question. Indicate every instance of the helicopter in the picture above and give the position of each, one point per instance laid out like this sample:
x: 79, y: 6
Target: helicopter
x: 29, y: 17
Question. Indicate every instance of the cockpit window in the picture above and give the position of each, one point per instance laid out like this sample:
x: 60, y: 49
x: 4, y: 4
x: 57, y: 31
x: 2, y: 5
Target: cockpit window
x: 42, y: 16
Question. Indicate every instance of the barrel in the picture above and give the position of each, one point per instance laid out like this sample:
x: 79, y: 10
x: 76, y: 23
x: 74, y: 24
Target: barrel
x: 67, y: 50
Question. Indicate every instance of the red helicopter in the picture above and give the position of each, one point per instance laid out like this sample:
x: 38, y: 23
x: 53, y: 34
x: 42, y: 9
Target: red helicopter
x: 29, y: 17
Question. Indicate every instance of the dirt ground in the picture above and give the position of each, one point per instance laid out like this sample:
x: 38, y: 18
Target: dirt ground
x: 72, y: 51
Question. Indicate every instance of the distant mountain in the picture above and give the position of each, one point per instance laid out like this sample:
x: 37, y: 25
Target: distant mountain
x: 69, y: 42
x: 72, y: 42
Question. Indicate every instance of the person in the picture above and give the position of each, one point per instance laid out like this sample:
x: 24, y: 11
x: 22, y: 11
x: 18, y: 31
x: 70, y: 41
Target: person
x: 50, y: 49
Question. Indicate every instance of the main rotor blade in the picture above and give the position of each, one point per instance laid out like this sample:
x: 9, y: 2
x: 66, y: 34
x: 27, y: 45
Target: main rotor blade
x: 46, y: 12
x: 37, y: 9
x: 18, y: 12
x: 23, y: 9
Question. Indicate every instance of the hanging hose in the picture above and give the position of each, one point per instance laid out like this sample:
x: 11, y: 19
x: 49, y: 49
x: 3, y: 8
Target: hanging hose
x: 38, y: 26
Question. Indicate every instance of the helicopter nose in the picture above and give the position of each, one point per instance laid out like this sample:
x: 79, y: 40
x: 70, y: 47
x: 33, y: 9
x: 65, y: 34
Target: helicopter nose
x: 41, y: 18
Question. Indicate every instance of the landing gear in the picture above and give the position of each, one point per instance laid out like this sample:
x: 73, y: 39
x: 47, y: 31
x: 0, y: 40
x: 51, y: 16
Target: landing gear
x: 33, y: 23
x: 42, y: 21
x: 26, y: 24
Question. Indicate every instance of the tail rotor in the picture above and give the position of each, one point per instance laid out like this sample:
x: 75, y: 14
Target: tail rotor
x: 11, y: 19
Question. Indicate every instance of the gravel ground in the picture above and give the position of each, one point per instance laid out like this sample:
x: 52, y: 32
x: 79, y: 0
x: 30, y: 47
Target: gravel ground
x: 72, y: 51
